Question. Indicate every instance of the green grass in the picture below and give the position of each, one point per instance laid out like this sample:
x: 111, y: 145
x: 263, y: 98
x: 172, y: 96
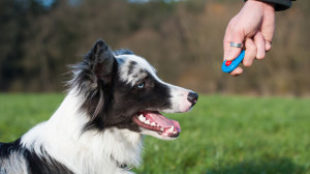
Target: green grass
x: 222, y: 135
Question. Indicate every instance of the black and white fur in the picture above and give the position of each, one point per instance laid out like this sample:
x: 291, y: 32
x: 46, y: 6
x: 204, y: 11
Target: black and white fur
x: 93, y: 131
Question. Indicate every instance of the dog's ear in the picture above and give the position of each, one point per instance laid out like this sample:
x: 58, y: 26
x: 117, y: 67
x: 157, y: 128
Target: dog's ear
x: 100, y: 61
x: 103, y: 60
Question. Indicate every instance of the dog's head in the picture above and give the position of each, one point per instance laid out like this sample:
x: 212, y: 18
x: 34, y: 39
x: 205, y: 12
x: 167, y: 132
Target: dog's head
x: 122, y: 90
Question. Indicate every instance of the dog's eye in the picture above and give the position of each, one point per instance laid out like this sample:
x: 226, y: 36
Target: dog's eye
x: 140, y: 85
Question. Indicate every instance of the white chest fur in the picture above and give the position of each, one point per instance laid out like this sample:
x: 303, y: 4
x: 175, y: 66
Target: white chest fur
x: 89, y: 152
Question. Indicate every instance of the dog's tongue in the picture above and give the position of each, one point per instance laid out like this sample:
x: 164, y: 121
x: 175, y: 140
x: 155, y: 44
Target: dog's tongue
x: 162, y: 121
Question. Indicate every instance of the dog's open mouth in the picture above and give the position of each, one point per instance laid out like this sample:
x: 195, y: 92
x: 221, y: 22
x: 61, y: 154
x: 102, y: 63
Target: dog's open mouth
x: 154, y: 121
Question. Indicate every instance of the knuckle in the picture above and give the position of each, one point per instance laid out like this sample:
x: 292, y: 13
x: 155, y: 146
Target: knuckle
x: 235, y: 29
x: 261, y: 54
x: 260, y: 57
x: 268, y: 48
x: 247, y: 64
x: 253, y: 48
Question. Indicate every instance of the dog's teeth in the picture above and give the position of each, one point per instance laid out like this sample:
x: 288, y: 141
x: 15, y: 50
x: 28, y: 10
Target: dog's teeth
x: 141, y: 118
x: 153, y: 124
x: 171, y: 129
x: 147, y: 122
x: 161, y: 129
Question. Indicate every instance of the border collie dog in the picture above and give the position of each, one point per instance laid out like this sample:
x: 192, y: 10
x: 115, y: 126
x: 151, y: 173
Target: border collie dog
x: 115, y: 97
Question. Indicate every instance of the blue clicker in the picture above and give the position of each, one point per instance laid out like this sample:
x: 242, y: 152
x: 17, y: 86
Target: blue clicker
x: 234, y: 64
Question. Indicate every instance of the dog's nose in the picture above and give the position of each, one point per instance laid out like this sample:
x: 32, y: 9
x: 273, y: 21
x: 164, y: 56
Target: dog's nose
x: 192, y: 97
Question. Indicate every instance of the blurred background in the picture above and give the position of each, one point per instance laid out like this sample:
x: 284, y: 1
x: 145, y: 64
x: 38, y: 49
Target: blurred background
x: 231, y: 130
x: 182, y: 39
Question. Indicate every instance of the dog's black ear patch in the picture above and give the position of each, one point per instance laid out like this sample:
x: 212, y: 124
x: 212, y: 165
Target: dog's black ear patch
x: 103, y: 60
x: 93, y: 77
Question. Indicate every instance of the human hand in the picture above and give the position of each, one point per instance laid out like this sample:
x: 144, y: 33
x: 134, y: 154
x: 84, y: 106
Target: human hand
x: 253, y: 26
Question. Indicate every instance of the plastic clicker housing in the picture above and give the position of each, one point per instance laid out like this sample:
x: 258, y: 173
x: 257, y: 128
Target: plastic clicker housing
x: 229, y: 66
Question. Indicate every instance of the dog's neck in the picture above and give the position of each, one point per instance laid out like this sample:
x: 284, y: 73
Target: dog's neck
x: 63, y: 138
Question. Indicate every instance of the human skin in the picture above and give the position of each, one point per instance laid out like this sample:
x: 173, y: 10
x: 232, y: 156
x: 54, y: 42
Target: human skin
x: 253, y: 26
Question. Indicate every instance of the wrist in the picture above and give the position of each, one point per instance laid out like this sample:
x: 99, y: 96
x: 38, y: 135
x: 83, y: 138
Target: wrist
x: 267, y: 6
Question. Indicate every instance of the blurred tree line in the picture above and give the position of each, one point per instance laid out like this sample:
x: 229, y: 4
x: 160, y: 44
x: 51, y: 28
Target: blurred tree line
x: 182, y: 39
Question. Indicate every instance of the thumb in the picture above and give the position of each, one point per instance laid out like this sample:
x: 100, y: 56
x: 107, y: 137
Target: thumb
x: 235, y: 36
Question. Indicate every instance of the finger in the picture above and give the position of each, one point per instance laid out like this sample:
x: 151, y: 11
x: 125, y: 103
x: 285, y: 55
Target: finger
x: 267, y: 45
x: 232, y: 34
x: 250, y: 52
x: 260, y: 45
x: 268, y: 26
x: 237, y: 71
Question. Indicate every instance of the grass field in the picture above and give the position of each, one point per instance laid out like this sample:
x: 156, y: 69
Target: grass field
x: 222, y: 135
